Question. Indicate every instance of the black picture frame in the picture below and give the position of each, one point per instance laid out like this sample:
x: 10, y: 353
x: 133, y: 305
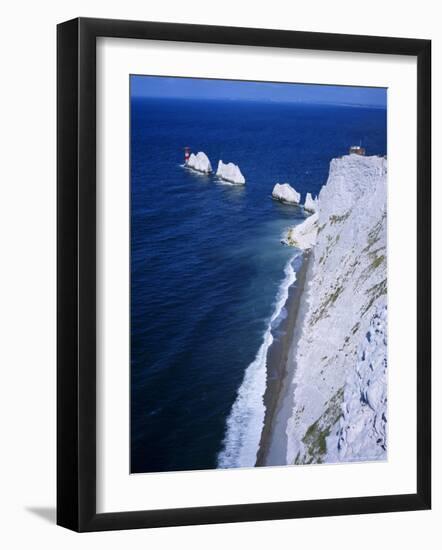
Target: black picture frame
x: 77, y: 288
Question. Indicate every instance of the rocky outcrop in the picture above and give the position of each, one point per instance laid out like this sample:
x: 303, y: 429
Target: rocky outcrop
x: 303, y: 236
x: 310, y: 204
x: 199, y: 162
x: 285, y: 193
x: 230, y: 172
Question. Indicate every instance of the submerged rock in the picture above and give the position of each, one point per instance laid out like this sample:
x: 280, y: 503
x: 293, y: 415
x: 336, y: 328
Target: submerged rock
x: 230, y: 172
x: 284, y: 192
x: 199, y: 162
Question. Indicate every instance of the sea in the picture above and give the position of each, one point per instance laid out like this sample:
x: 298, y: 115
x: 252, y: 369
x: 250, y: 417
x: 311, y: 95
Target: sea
x: 209, y: 274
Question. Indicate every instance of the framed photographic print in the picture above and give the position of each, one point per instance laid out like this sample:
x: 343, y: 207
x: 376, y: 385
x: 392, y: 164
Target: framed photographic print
x: 243, y: 274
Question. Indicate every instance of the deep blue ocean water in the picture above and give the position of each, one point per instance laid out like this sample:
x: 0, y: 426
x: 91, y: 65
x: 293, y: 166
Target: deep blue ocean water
x: 206, y: 258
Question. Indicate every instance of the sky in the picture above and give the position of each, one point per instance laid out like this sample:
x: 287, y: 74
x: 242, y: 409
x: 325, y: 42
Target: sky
x: 201, y: 88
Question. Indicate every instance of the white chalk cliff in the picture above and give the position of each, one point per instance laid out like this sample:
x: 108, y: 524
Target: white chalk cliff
x: 303, y: 235
x: 340, y: 382
x: 230, y: 172
x: 199, y: 162
x: 310, y: 204
x: 284, y: 192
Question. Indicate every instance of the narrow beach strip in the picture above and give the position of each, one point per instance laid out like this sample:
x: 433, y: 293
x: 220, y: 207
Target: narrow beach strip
x: 278, y: 395
x: 246, y: 420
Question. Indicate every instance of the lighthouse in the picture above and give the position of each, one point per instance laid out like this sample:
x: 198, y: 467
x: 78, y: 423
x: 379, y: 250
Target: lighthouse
x: 186, y: 154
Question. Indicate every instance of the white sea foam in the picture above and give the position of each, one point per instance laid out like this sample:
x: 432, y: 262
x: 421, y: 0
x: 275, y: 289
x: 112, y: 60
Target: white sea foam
x: 246, y: 419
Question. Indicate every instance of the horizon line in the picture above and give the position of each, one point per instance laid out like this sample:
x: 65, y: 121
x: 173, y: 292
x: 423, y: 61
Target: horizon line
x: 263, y: 100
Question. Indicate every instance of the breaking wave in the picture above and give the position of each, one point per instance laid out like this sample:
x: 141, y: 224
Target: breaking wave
x: 246, y: 419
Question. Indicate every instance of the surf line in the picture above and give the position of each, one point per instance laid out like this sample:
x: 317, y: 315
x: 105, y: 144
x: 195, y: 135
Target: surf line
x: 246, y: 420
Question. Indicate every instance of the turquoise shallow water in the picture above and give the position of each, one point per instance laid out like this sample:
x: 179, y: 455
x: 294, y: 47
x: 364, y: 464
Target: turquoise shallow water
x: 206, y: 258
